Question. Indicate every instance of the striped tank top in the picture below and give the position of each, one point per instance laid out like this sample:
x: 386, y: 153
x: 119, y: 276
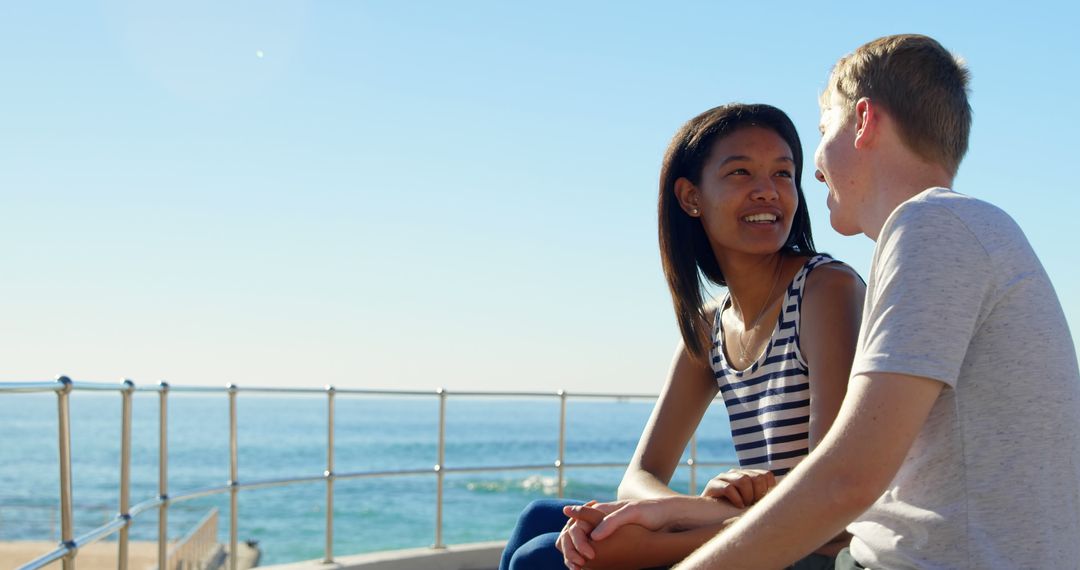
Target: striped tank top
x: 768, y: 404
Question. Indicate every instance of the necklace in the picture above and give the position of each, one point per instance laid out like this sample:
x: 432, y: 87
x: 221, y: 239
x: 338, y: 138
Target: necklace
x: 749, y: 329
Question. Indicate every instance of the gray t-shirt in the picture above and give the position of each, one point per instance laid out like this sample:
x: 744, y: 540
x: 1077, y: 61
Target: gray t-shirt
x: 956, y: 294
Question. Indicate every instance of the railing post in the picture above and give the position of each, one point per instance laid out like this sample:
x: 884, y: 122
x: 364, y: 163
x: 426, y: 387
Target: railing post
x: 63, y: 413
x: 439, y: 475
x: 163, y: 476
x: 233, y: 479
x: 559, y: 463
x: 329, y: 557
x: 125, y: 473
x: 692, y: 462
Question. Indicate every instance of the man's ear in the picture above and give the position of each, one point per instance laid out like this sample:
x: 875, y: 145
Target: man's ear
x: 867, y: 122
x: 688, y: 196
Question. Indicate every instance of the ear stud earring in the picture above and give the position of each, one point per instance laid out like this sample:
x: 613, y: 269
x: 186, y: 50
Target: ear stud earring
x: 693, y: 211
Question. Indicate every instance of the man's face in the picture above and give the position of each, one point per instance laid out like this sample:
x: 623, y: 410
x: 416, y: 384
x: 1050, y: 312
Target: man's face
x: 835, y: 163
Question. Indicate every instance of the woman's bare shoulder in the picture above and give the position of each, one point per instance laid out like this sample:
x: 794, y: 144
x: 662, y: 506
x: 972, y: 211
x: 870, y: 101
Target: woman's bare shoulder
x: 833, y: 281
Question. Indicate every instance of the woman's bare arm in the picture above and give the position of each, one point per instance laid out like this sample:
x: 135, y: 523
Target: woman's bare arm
x: 689, y: 390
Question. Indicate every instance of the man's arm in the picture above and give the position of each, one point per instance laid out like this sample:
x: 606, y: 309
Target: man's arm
x: 855, y: 462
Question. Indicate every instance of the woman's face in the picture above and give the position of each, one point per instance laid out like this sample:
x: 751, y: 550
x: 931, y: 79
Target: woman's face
x: 746, y: 197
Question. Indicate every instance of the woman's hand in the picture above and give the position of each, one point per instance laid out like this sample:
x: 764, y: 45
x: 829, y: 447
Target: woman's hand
x: 574, y: 541
x: 741, y: 487
x: 661, y: 514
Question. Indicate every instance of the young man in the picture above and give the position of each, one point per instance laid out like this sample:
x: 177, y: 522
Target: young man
x: 958, y: 444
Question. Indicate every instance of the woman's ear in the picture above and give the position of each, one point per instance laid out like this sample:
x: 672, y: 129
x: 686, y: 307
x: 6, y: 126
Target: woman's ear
x: 688, y: 197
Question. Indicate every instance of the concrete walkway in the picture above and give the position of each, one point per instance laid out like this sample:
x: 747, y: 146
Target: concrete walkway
x: 475, y: 556
x: 102, y: 555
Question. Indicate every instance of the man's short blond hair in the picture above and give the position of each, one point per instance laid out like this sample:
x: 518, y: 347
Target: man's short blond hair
x: 920, y: 84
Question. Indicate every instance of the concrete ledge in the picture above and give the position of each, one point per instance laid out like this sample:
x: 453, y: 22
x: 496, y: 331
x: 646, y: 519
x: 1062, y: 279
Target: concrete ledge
x: 474, y: 556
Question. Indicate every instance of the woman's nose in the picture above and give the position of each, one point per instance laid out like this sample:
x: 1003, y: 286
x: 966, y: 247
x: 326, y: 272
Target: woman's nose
x: 765, y: 190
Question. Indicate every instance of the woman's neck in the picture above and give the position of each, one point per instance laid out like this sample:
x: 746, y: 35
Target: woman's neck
x: 753, y: 281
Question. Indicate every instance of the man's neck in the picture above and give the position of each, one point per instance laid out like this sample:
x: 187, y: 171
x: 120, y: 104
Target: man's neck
x: 897, y: 182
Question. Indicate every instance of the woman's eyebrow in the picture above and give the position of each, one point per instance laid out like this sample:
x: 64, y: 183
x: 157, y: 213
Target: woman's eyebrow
x: 738, y: 157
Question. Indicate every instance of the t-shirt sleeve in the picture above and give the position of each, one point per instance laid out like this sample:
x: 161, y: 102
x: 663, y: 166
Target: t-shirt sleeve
x: 929, y: 281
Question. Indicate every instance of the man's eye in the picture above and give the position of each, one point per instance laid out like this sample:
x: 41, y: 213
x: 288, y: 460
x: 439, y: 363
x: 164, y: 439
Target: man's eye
x: 740, y: 172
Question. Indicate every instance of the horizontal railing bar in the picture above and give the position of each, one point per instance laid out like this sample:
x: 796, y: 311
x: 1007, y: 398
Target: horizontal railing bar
x: 101, y: 532
x: 376, y: 392
x: 204, y: 492
x: 373, y: 474
x: 600, y: 465
x: 483, y: 468
x: 485, y: 394
x: 46, y: 559
x: 555, y: 394
x: 202, y: 389
x: 226, y: 389
x: 280, y: 482
x: 480, y: 469
x: 389, y: 473
x: 274, y: 390
x: 98, y: 386
x: 611, y: 396
x: 107, y: 386
x: 25, y: 387
x: 712, y: 464
x: 277, y: 390
x: 149, y: 388
x: 146, y: 505
x: 111, y: 527
x: 593, y: 465
x: 379, y: 392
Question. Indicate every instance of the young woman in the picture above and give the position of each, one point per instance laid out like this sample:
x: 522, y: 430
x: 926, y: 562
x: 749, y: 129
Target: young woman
x: 777, y: 348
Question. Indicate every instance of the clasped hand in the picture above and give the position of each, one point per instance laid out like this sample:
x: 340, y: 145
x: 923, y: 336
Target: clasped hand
x: 595, y: 521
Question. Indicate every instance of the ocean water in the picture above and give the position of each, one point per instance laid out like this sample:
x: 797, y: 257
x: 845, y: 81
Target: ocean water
x: 285, y: 437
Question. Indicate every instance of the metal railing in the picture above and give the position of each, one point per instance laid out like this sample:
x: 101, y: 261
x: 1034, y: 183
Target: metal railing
x: 69, y: 545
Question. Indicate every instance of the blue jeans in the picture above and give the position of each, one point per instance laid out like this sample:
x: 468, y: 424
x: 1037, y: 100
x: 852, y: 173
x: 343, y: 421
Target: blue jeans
x: 532, y: 544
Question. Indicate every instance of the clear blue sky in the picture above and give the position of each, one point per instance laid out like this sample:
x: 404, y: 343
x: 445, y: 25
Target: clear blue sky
x: 425, y: 194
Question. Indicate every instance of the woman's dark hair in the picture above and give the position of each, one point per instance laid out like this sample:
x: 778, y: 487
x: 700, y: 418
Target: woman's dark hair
x: 685, y: 251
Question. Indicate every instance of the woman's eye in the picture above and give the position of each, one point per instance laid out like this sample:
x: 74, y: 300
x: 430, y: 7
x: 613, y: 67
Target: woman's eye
x: 785, y: 174
x: 740, y: 172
